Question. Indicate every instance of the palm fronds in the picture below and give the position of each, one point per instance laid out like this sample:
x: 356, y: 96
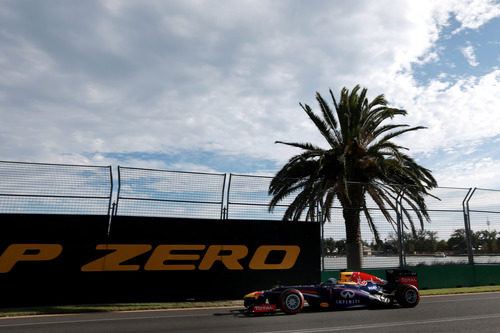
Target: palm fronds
x: 361, y: 151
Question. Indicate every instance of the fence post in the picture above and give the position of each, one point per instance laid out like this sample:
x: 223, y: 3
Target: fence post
x: 322, y: 234
x: 111, y: 204
x: 468, y: 236
x: 110, y: 190
x: 118, y: 191
x: 399, y: 219
x: 110, y: 218
x: 228, y: 194
x: 223, y: 210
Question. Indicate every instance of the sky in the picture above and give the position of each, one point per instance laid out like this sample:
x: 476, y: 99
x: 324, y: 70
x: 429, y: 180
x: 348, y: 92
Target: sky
x: 209, y: 86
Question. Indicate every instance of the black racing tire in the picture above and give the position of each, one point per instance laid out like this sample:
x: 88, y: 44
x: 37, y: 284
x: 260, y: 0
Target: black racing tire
x: 407, y: 295
x: 291, y: 301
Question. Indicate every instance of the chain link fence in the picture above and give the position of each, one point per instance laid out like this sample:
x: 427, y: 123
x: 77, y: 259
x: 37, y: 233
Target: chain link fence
x: 159, y: 193
x: 36, y: 188
x: 248, y: 199
x: 462, y: 230
x: 464, y: 226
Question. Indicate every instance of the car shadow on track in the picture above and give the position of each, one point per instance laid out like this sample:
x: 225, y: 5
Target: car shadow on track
x: 243, y: 313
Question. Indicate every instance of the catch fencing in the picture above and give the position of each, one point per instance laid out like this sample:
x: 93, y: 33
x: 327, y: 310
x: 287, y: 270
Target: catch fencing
x: 36, y: 188
x: 160, y: 193
x: 462, y: 229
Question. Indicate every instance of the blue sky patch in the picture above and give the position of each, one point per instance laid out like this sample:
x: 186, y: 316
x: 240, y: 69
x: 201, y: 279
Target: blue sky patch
x: 453, y: 49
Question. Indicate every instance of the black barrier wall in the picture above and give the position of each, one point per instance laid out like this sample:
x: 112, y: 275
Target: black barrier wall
x: 54, y: 259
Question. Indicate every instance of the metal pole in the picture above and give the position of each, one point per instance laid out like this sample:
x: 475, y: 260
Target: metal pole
x: 111, y: 206
x: 227, y: 195
x: 118, y: 191
x: 465, y: 205
x: 111, y: 219
x: 399, y: 218
x: 110, y: 189
x: 322, y: 235
x: 223, y: 211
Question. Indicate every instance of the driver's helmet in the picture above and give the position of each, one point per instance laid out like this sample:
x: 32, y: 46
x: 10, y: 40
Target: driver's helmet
x: 331, y: 281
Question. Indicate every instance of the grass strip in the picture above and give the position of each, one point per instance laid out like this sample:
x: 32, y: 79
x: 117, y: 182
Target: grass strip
x: 463, y: 290
x: 65, y: 309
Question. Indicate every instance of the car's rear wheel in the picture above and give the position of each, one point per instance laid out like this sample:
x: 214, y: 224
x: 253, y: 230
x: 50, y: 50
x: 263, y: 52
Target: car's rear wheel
x: 291, y: 301
x: 407, y: 296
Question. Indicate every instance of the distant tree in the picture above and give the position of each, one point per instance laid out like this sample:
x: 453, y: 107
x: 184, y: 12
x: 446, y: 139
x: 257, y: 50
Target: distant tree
x: 391, y: 244
x: 340, y: 245
x: 377, y: 245
x: 475, y: 240
x: 458, y: 241
x: 421, y: 241
x: 488, y: 241
x: 442, y: 246
x: 361, y: 160
x: 430, y: 241
x: 329, y: 246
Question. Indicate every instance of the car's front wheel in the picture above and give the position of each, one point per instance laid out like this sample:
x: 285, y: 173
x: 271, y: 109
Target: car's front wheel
x: 291, y: 301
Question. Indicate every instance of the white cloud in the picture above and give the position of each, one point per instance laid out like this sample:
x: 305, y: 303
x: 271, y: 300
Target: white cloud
x: 474, y: 13
x: 470, y: 55
x: 470, y: 173
x: 455, y: 113
x: 84, y: 79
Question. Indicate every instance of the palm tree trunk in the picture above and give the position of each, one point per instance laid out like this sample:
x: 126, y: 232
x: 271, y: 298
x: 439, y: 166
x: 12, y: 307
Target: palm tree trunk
x: 354, y: 244
x: 351, y: 210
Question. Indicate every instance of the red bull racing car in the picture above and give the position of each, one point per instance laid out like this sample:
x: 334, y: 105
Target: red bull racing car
x: 355, y: 289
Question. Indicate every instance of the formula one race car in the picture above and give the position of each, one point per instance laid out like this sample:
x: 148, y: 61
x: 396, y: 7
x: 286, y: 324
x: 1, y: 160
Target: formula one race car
x: 355, y: 289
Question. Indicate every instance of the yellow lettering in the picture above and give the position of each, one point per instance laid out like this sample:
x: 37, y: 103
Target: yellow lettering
x: 163, y: 253
x: 259, y: 258
x: 230, y: 260
x: 113, y: 260
x: 20, y: 252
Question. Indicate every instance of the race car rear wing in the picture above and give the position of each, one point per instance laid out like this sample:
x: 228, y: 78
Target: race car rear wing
x: 402, y: 276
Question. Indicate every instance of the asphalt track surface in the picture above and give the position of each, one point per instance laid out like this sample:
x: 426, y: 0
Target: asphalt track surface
x: 458, y: 313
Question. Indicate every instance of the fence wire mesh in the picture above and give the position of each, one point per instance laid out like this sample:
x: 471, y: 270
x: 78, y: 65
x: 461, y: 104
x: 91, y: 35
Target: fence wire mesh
x: 248, y: 199
x: 159, y: 193
x: 484, y: 207
x: 442, y: 240
x: 464, y: 224
x: 35, y: 188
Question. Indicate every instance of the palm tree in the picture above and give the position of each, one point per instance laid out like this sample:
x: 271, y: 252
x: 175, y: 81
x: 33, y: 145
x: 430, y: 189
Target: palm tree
x: 361, y: 160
